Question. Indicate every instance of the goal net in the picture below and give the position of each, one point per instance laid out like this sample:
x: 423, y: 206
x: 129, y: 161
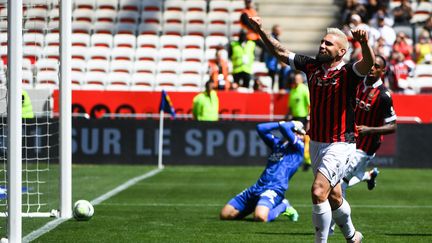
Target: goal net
x: 42, y: 174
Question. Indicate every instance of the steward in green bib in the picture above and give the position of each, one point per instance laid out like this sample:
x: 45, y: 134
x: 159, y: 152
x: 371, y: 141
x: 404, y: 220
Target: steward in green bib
x: 242, y: 53
x: 27, y: 108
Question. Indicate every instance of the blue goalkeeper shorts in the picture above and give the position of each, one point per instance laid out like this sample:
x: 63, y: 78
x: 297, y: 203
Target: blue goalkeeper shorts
x: 246, y: 201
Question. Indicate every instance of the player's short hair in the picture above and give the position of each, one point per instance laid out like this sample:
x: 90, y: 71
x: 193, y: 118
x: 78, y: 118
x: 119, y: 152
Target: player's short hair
x: 341, y: 35
x: 382, y: 59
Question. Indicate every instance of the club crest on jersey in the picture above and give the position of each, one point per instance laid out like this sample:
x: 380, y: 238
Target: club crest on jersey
x: 371, y: 95
x: 275, y: 157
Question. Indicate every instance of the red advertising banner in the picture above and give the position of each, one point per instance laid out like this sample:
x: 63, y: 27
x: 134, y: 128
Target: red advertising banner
x: 97, y: 103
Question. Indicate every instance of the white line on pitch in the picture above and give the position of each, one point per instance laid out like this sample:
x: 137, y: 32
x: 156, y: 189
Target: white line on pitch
x: 220, y: 205
x: 53, y: 224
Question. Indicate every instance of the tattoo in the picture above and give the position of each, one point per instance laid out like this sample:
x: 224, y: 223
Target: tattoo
x: 274, y: 46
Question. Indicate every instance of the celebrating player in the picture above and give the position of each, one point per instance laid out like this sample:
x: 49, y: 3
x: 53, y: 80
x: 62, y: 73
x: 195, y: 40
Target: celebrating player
x: 375, y: 117
x: 332, y: 85
x: 266, y: 196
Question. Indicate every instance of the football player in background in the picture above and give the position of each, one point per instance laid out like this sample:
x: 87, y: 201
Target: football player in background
x: 266, y: 198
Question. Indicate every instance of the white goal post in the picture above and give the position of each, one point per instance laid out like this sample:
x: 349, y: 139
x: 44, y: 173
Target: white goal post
x: 13, y: 139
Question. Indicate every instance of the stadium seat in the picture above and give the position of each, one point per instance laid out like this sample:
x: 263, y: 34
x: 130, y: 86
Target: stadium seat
x: 146, y: 54
x: 173, y: 29
x: 142, y: 82
x: 81, y: 27
x: 193, y: 55
x: 195, y: 18
x: 131, y: 5
x: 193, y: 42
x: 422, y: 84
x: 128, y: 16
x: 3, y: 38
x: 94, y: 81
x: 26, y: 64
x: 124, y: 41
x: 35, y: 14
x: 79, y: 52
x: 98, y: 66
x: 36, y: 4
x: 121, y: 66
x: 166, y: 81
x: 3, y: 53
x: 173, y: 17
x: 217, y: 30
x: 267, y: 83
x: 33, y: 39
x: 54, y: 14
x: 78, y: 65
x: 85, y: 15
x: 173, y: 55
x: 118, y: 81
x: 107, y: 4
x: 195, y: 6
x: 47, y: 65
x: 103, y: 28
x: 149, y: 29
x: 51, y: 52
x: 85, y: 4
x: 219, y: 6
x: 190, y: 83
x: 148, y: 41
x: 191, y: 68
x: 151, y: 5
x: 167, y: 68
x: 259, y: 69
x: 33, y: 53
x: 210, y: 54
x: 53, y: 26
x: 98, y: 53
x: 170, y: 41
x: 221, y: 18
x: 213, y: 42
x: 47, y: 80
x: 105, y: 15
x: 174, y: 5
x: 77, y: 79
x: 34, y: 26
x: 237, y: 6
x: 196, y: 29
x: 125, y: 28
x: 80, y: 39
x: 423, y: 70
x: 145, y: 67
x: 27, y: 78
x: 52, y: 39
x: 153, y: 17
x: 101, y: 40
x: 422, y: 11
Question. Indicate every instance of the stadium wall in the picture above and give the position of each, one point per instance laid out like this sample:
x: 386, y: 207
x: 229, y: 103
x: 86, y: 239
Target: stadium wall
x: 134, y: 141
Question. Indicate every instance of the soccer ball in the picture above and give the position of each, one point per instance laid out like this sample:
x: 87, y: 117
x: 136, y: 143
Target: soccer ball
x: 83, y: 210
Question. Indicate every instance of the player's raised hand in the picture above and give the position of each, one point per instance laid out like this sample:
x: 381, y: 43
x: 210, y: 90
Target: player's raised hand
x: 255, y: 22
x: 360, y: 35
x: 363, y: 130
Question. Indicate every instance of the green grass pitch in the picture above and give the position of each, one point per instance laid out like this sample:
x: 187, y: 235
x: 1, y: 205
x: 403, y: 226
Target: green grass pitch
x: 181, y: 204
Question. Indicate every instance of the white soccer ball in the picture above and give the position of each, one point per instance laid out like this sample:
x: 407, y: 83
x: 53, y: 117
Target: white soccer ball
x: 83, y: 210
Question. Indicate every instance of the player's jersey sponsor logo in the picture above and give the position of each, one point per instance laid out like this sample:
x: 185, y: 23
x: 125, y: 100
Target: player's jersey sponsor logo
x: 275, y: 157
x: 363, y: 105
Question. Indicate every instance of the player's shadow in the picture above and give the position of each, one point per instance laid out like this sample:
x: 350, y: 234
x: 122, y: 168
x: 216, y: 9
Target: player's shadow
x: 408, y: 234
x: 285, y: 233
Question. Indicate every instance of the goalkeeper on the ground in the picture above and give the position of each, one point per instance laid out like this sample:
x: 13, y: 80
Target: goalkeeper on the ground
x: 266, y: 198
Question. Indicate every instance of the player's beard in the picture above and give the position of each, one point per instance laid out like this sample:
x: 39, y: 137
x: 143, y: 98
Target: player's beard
x: 324, y: 58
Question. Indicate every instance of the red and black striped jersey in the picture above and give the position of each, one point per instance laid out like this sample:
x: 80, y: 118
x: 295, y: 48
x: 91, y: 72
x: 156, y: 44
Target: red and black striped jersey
x: 374, y: 108
x: 332, y: 99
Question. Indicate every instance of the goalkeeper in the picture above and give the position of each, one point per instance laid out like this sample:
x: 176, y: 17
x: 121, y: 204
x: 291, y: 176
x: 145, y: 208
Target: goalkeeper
x: 266, y: 198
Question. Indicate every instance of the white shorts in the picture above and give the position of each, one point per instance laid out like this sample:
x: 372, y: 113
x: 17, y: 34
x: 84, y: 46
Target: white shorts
x: 358, y: 164
x: 331, y: 159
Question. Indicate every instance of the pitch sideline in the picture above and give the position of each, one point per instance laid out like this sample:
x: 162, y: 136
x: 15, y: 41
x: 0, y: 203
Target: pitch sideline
x: 53, y: 224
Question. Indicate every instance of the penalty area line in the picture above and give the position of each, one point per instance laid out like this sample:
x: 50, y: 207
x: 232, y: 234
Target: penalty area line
x: 53, y: 224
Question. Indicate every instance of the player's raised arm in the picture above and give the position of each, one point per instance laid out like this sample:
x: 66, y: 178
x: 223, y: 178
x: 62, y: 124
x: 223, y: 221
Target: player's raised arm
x: 273, y: 46
x: 365, y: 64
x: 264, y: 131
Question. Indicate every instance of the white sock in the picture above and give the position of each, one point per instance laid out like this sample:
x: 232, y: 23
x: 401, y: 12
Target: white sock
x: 354, y: 181
x: 321, y: 218
x: 342, y: 217
x: 366, y: 176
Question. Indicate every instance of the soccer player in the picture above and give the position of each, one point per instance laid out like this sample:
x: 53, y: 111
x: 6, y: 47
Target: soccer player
x: 375, y: 117
x: 332, y: 85
x: 266, y: 197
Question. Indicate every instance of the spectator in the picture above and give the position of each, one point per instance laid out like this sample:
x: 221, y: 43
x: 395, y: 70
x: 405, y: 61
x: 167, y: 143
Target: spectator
x: 428, y: 26
x: 403, y: 13
x: 218, y: 71
x: 404, y: 45
x: 258, y: 86
x: 357, y: 23
x: 27, y: 108
x: 352, y: 7
x: 206, y: 104
x: 399, y: 72
x: 271, y: 61
x: 249, y: 11
x: 382, y: 49
x: 382, y: 13
x: 242, y: 53
x: 423, y: 49
x: 386, y: 31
